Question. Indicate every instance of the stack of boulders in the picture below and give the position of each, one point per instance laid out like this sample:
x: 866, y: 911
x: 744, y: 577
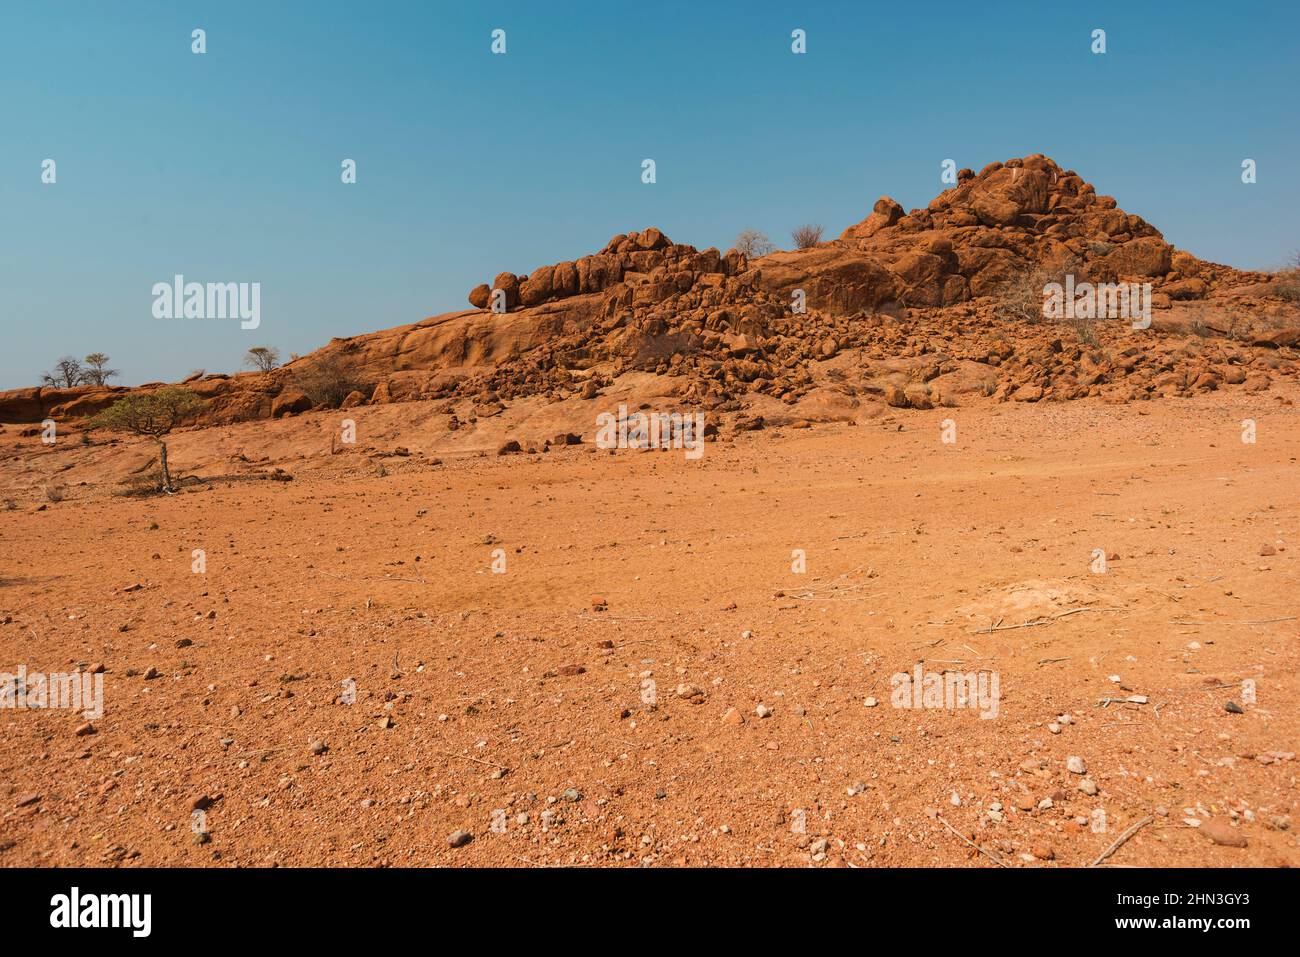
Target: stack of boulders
x: 916, y: 308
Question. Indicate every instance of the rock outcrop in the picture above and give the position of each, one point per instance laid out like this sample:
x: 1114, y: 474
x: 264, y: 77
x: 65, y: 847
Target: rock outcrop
x: 929, y: 307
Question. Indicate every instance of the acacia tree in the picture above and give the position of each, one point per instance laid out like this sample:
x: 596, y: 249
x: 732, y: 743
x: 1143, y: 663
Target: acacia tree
x: 96, y: 371
x: 262, y: 358
x: 151, y: 414
x: 754, y: 244
x: 66, y: 374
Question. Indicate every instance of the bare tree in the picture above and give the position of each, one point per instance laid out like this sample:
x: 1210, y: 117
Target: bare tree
x: 262, y: 358
x: 806, y: 236
x: 753, y: 244
x: 66, y: 374
x: 96, y: 371
x: 151, y: 414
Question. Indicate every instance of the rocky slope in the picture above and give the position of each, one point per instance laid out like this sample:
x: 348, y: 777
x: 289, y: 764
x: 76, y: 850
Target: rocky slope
x: 935, y: 306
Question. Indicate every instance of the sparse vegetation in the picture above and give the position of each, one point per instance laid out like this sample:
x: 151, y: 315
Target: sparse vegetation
x: 151, y: 414
x: 328, y: 380
x: 262, y: 358
x: 1287, y: 281
x: 66, y: 374
x: 806, y: 236
x: 96, y: 370
x: 1020, y: 298
x: 754, y: 244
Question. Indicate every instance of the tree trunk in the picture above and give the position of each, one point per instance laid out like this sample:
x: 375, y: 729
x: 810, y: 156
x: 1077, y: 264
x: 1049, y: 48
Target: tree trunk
x: 166, y: 473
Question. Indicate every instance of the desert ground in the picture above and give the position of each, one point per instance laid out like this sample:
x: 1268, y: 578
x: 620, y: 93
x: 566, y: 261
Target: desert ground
x: 645, y: 680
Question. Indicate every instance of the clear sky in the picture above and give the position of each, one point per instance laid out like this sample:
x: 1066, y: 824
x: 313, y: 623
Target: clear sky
x: 225, y: 166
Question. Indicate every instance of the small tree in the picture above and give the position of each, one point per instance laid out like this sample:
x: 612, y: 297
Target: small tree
x: 806, y: 236
x: 753, y: 244
x: 96, y: 371
x: 262, y: 358
x: 66, y: 374
x: 152, y: 414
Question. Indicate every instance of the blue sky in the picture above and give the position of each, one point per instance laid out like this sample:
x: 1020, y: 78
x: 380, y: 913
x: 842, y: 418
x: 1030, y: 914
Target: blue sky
x: 225, y: 167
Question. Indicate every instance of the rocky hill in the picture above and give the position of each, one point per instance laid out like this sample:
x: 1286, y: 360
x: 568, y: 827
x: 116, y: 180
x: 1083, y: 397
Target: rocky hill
x: 936, y: 306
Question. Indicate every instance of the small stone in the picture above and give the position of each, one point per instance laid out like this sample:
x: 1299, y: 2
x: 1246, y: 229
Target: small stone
x: 151, y: 674
x: 1266, y: 550
x: 1233, y: 708
x: 688, y: 691
x: 1054, y: 728
x: 572, y: 795
x: 1221, y: 832
x: 84, y: 729
x: 202, y: 802
x: 1045, y: 804
x: 746, y: 634
x: 733, y: 718
x: 1043, y: 852
x: 1088, y: 787
x: 955, y: 800
x: 317, y: 747
x: 385, y: 722
x: 870, y: 703
x: 459, y: 838
x: 763, y: 711
x: 1075, y: 765
x: 27, y: 800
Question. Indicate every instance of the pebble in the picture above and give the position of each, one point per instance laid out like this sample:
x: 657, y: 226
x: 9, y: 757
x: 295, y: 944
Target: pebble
x: 1075, y: 764
x: 1088, y: 787
x: 1054, y: 728
x: 733, y: 718
x: 763, y: 711
x: 870, y: 703
x: 1221, y: 832
x: 459, y: 838
x: 572, y: 795
x: 955, y: 800
x: 1233, y: 708
x: 318, y: 747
